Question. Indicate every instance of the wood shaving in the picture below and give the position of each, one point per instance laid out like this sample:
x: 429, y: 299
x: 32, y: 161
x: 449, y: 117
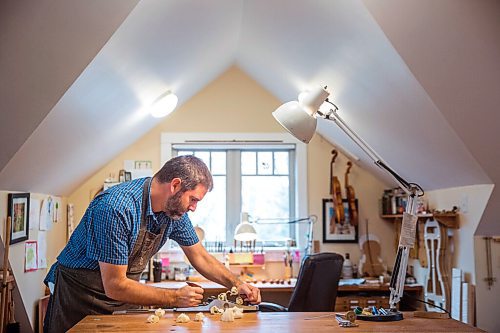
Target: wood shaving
x: 228, y: 315
x: 160, y: 312
x: 199, y: 316
x: 238, y: 312
x: 234, y: 291
x: 153, y: 319
x: 182, y: 318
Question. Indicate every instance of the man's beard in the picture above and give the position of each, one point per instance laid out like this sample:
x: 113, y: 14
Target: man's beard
x: 173, y: 206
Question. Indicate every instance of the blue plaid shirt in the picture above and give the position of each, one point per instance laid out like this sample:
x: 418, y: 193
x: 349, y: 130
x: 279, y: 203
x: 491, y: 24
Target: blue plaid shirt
x: 110, y: 227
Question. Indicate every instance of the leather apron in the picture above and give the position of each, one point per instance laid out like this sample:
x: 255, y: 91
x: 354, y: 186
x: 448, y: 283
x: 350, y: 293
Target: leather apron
x: 80, y: 292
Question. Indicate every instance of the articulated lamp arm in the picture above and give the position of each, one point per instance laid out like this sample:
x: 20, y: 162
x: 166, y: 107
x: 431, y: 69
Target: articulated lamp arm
x: 408, y: 228
x: 300, y: 118
x: 409, y: 188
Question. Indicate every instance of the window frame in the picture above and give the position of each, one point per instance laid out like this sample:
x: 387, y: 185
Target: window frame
x: 250, y: 140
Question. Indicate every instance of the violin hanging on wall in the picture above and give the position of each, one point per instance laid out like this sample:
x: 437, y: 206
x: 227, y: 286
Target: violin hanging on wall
x: 351, y: 197
x: 336, y: 192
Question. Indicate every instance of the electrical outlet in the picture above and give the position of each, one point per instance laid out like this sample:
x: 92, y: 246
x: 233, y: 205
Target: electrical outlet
x: 464, y: 203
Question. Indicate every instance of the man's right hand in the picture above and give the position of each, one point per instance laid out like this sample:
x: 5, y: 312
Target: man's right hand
x: 188, y: 296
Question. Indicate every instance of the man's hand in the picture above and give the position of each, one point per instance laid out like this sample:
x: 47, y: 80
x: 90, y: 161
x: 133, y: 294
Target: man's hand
x: 252, y: 293
x: 188, y: 296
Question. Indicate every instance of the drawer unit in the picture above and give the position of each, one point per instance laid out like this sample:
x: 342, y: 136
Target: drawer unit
x: 346, y: 303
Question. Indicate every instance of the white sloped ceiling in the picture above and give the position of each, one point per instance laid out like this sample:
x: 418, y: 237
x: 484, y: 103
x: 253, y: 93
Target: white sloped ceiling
x: 387, y: 64
x: 162, y: 45
x: 44, y: 46
x: 453, y: 49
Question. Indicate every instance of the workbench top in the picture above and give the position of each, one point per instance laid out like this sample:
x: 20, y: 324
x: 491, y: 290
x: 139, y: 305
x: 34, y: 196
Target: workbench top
x: 265, y: 322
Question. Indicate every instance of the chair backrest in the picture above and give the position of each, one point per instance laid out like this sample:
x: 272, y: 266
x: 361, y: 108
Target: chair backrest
x: 317, y: 283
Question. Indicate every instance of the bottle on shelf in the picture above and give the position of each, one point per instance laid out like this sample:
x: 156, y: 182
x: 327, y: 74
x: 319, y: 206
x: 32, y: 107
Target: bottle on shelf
x: 347, y: 268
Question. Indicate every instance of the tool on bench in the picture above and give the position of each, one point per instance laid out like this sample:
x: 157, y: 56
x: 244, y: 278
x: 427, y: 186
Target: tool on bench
x: 346, y: 320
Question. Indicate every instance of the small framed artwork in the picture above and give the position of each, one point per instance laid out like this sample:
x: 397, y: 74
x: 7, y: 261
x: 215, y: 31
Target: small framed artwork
x: 18, y: 210
x: 30, y: 256
x: 335, y: 231
x: 128, y: 176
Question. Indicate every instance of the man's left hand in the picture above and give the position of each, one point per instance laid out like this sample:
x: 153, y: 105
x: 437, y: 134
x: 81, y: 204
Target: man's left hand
x: 252, y: 293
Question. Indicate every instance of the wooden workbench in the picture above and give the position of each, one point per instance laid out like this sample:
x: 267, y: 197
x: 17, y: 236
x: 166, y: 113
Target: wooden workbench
x: 264, y: 322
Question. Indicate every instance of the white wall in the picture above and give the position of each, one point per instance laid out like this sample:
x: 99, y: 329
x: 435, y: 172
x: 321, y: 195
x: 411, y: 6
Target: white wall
x: 463, y: 247
x: 30, y: 284
x: 472, y: 201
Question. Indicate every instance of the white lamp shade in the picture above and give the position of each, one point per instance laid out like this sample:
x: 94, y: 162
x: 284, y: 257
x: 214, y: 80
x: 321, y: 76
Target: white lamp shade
x: 163, y: 105
x: 296, y: 120
x: 245, y: 232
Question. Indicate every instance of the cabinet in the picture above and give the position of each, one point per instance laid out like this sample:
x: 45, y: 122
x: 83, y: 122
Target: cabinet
x: 349, y: 297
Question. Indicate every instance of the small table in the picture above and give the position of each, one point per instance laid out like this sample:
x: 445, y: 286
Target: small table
x: 265, y: 322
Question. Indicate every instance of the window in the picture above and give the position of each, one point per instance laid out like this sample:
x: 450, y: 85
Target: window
x: 260, y: 178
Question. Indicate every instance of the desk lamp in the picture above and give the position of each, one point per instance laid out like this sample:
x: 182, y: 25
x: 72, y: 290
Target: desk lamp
x: 300, y: 119
x: 245, y: 231
x: 308, y: 220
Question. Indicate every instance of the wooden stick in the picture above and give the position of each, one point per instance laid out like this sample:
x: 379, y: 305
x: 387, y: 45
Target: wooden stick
x: 4, y: 308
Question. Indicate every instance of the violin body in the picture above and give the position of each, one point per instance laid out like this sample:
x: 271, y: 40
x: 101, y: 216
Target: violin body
x: 336, y: 192
x: 337, y: 201
x: 351, y: 197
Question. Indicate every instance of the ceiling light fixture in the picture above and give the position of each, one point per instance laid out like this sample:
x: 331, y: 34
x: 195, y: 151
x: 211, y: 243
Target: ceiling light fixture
x: 164, y: 104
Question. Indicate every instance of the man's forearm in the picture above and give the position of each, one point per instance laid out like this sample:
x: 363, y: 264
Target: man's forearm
x: 133, y: 292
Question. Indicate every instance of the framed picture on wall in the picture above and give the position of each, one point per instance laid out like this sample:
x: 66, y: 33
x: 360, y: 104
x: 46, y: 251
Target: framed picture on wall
x: 128, y: 176
x: 18, y: 210
x: 333, y: 230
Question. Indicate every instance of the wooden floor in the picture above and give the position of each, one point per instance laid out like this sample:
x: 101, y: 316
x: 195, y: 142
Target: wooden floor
x: 262, y: 322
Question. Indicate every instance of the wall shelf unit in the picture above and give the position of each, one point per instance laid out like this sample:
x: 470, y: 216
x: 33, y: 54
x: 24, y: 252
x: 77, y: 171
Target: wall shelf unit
x: 449, y: 220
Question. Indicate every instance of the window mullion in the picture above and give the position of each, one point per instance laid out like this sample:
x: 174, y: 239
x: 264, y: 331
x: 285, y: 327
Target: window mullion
x: 291, y: 184
x: 233, y: 204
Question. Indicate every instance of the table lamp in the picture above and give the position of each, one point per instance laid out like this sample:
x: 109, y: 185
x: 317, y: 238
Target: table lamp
x: 245, y: 231
x: 300, y: 119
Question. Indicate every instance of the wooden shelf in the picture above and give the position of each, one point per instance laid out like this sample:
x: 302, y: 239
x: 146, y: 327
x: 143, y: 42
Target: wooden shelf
x: 449, y: 220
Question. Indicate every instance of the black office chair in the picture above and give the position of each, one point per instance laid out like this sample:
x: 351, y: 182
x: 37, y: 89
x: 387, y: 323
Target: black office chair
x: 316, y: 287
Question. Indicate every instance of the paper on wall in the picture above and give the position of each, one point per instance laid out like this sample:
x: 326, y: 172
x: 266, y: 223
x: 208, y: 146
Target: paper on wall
x: 56, y: 206
x: 46, y: 214
x: 34, y: 213
x: 42, y: 249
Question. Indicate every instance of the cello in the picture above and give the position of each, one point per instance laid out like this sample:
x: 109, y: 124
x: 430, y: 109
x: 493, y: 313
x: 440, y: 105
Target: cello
x: 351, y: 197
x: 336, y: 192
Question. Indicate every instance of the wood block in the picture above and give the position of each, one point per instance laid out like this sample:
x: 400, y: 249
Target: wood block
x: 316, y: 246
